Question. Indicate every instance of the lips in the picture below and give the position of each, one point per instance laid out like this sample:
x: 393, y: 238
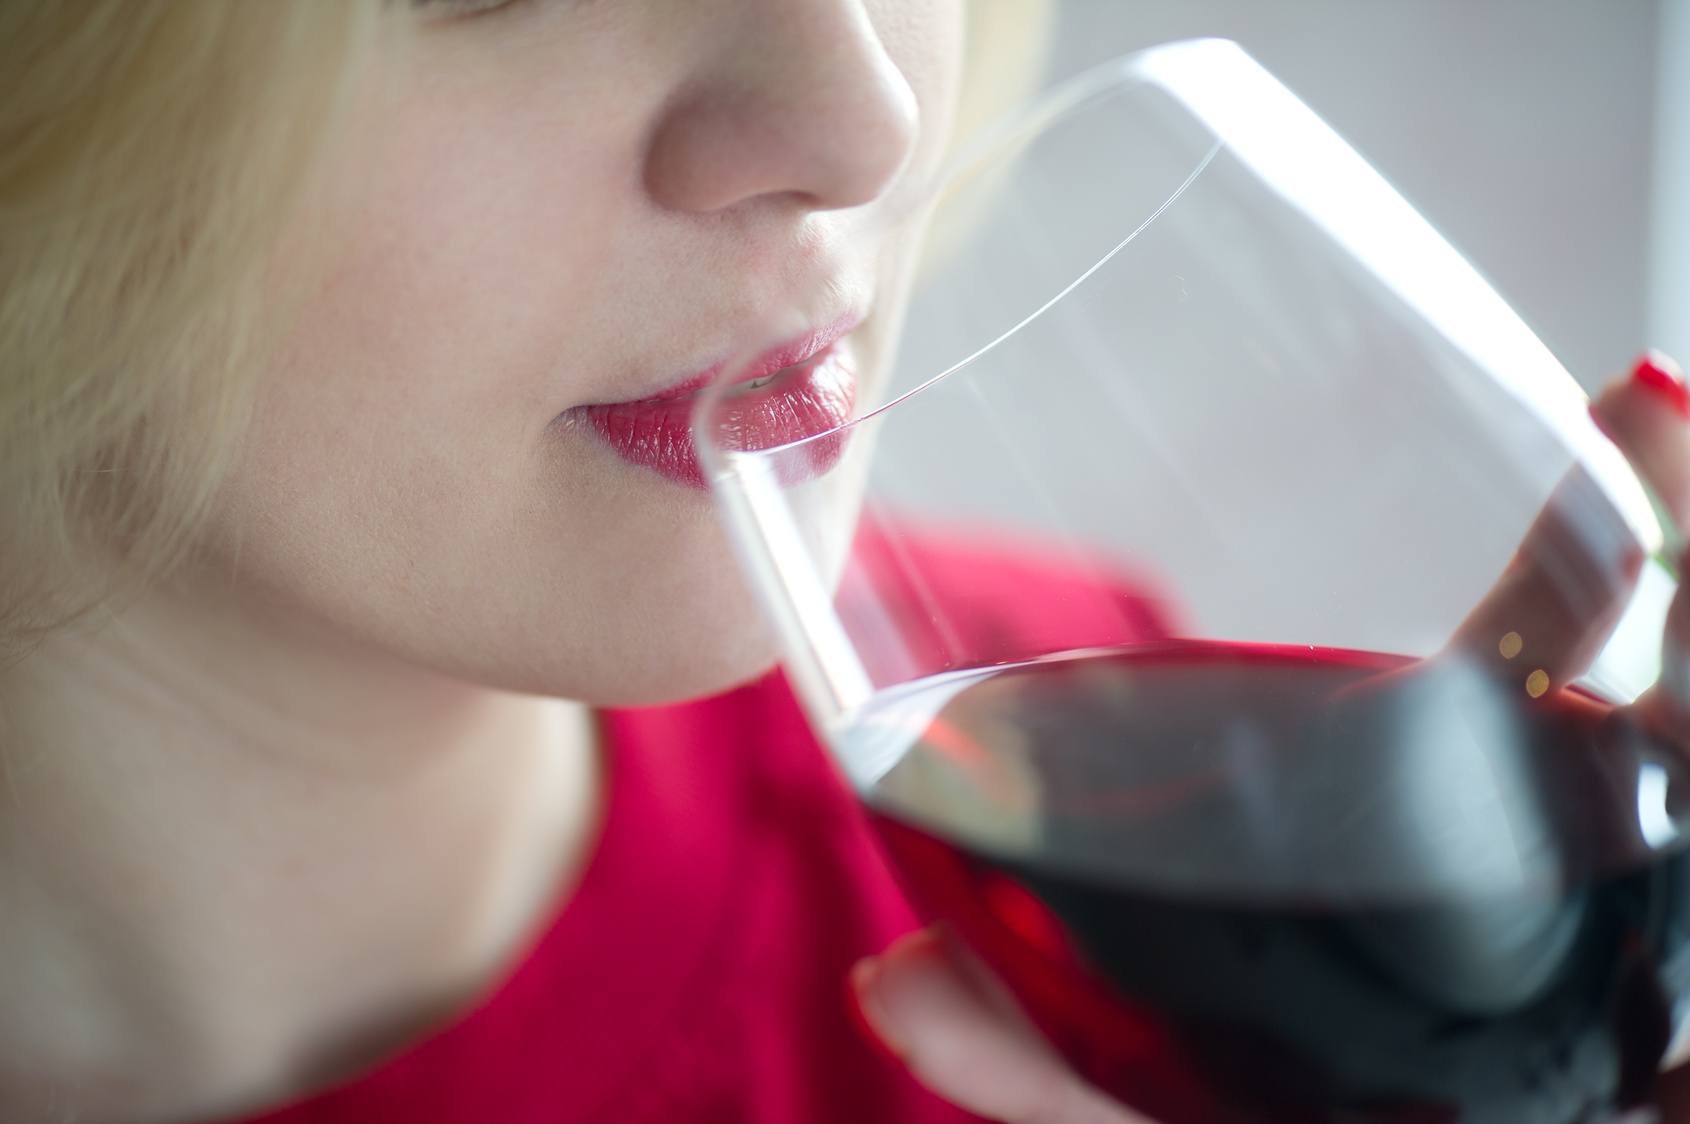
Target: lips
x: 800, y: 389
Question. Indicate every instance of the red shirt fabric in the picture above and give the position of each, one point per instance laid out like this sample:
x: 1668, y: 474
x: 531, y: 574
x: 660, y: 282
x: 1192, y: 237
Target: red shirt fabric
x: 697, y: 973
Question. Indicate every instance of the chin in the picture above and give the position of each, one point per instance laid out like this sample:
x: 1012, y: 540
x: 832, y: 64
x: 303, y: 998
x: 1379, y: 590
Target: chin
x: 695, y: 683
x: 665, y: 651
x: 679, y: 675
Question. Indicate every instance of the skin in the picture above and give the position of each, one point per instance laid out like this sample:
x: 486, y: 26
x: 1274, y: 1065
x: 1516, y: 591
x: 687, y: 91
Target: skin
x: 551, y: 204
x: 940, y: 1009
x: 271, y: 820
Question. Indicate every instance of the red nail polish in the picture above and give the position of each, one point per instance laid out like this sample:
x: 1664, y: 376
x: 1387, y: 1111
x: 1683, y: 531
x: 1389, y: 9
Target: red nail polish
x: 1658, y: 372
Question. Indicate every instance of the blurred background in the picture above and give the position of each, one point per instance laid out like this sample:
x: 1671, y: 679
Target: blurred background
x: 1548, y: 139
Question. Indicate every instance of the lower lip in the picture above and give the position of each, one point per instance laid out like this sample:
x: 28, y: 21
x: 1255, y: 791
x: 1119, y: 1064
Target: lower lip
x: 800, y: 402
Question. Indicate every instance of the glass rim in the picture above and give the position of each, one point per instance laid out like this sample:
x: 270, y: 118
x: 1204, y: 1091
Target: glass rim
x: 1303, y: 160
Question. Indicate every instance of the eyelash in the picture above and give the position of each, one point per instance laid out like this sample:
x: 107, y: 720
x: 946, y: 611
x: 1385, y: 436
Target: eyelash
x: 458, y: 9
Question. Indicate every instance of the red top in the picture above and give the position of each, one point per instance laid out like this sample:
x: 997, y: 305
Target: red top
x: 698, y: 971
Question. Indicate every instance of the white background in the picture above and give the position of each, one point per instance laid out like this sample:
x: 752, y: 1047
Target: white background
x: 1524, y: 129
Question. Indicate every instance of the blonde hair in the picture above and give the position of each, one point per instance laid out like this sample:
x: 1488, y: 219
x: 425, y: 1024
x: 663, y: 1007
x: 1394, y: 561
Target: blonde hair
x: 150, y: 153
x: 1007, y: 50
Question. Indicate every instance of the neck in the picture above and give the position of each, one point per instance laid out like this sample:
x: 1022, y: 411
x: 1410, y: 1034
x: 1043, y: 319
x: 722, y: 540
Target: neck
x: 225, y: 844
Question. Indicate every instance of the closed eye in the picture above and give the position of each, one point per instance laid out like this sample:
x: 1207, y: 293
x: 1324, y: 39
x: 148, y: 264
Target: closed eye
x: 457, y: 9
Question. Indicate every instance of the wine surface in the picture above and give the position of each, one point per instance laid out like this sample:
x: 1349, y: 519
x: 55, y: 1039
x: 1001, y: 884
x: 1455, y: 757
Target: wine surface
x: 1263, y: 883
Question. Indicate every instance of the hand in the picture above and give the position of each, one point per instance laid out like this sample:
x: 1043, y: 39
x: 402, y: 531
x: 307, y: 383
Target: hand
x: 961, y: 1032
x: 943, y: 1012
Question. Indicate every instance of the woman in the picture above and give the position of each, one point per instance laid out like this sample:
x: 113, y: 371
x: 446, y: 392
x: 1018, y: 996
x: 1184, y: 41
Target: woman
x: 307, y: 311
x: 313, y: 316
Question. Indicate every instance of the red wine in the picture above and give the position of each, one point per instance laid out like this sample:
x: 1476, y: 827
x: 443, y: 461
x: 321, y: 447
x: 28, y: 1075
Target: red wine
x: 1260, y: 883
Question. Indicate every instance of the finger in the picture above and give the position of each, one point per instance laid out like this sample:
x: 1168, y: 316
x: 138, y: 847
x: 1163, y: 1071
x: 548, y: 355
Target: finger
x: 1543, y: 622
x: 964, y: 1037
x: 1646, y: 415
x: 1547, y: 617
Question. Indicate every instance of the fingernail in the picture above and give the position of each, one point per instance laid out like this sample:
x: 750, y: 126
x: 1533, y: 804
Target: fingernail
x: 1658, y: 372
x: 861, y: 979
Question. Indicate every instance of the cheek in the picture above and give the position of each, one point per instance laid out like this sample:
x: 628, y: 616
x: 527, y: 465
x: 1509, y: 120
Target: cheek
x: 924, y: 39
x: 471, y: 267
x: 559, y: 570
x: 402, y: 486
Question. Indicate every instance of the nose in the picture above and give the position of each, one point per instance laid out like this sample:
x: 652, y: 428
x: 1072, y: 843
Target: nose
x: 799, y: 100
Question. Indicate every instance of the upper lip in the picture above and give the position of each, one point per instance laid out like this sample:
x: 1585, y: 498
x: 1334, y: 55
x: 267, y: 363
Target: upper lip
x: 788, y: 353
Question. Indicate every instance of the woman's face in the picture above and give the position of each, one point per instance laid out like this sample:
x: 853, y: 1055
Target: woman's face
x: 547, y: 206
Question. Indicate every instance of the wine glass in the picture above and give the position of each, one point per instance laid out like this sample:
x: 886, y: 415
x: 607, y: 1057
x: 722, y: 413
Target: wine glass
x: 1222, y: 603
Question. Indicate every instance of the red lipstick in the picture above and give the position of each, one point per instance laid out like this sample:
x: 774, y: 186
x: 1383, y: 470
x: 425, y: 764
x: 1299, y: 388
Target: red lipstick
x: 811, y: 389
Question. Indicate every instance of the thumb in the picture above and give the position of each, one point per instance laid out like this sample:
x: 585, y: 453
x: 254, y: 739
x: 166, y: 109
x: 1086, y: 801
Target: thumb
x: 1648, y: 416
x: 963, y: 1036
x: 1574, y: 572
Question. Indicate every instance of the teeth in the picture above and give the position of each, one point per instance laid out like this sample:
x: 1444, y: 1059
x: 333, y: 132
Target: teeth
x: 755, y: 383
